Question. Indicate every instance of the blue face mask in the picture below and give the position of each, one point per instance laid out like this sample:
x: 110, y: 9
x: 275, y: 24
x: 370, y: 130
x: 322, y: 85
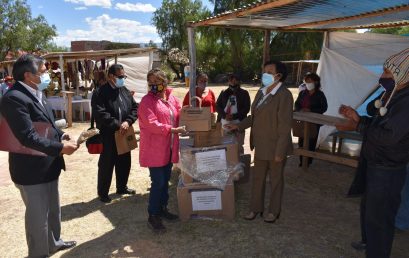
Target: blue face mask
x: 267, y: 79
x: 44, y: 81
x: 119, y: 82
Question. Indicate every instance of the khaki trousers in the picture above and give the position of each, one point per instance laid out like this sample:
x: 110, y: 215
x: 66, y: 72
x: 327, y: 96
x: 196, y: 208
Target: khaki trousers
x: 258, y: 184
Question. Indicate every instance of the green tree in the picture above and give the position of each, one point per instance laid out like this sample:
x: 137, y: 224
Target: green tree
x: 395, y: 30
x: 19, y: 30
x: 171, y: 20
x: 296, y: 45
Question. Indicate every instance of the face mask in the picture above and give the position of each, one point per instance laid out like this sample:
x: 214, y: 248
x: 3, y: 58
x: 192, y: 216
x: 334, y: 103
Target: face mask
x: 202, y: 85
x: 233, y: 86
x: 310, y: 85
x: 268, y: 79
x: 44, y: 81
x: 119, y: 82
x: 155, y: 89
x: 387, y: 83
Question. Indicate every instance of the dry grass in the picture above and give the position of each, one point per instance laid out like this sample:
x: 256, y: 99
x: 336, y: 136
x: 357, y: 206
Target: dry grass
x: 317, y: 220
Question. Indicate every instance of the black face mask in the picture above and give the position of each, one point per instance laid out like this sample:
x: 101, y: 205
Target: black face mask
x: 233, y: 86
x: 387, y: 83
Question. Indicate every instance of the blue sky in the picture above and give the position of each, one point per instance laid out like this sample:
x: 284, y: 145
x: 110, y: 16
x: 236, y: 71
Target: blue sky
x: 114, y: 20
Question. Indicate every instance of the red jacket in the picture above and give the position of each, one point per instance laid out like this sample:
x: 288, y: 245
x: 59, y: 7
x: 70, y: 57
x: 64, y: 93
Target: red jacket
x: 208, y: 99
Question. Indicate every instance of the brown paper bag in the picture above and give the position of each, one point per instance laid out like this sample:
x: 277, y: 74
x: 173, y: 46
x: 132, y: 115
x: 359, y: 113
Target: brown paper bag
x: 196, y: 118
x: 127, y: 142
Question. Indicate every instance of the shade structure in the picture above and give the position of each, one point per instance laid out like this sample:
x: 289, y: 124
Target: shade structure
x: 290, y: 15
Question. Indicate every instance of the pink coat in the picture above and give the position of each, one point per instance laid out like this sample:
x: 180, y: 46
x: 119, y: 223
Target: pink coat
x: 155, y: 123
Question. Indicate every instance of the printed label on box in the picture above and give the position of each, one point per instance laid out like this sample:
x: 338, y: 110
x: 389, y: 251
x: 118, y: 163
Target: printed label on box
x: 206, y: 200
x: 208, y: 161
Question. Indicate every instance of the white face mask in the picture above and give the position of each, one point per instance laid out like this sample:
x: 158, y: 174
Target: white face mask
x: 310, y: 85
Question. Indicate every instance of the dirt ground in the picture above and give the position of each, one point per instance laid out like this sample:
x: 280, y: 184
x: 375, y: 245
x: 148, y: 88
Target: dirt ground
x: 316, y: 221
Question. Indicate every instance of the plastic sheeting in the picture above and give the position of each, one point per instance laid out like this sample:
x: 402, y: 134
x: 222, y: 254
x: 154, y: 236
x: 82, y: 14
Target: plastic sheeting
x: 209, y: 165
x: 136, y: 69
x: 345, y: 78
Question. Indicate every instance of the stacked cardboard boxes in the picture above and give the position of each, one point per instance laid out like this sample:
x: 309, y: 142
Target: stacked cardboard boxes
x: 208, y: 155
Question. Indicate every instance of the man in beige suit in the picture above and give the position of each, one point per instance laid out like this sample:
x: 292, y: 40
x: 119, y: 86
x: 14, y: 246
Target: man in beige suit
x: 270, y: 122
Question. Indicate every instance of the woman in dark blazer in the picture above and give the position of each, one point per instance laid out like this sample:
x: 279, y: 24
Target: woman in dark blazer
x: 311, y: 99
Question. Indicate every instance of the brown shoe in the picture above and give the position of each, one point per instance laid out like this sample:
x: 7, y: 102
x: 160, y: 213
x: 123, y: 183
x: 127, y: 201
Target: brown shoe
x: 252, y: 215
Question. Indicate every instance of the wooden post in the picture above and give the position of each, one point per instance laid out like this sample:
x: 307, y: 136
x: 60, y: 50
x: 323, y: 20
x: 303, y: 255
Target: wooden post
x: 192, y: 55
x: 68, y: 112
x: 77, y: 78
x: 62, y: 73
x: 266, y: 48
x: 305, y: 145
x: 116, y: 59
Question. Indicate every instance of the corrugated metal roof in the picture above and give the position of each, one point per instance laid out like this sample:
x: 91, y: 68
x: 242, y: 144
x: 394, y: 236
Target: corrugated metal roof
x: 317, y: 15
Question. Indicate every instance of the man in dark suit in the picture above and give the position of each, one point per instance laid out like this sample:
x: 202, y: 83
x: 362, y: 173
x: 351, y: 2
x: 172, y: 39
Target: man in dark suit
x: 24, y: 107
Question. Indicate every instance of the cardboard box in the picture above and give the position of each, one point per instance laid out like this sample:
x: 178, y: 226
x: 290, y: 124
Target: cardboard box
x: 189, y: 153
x: 196, y: 119
x: 201, y: 200
x: 186, y: 178
x: 209, y: 138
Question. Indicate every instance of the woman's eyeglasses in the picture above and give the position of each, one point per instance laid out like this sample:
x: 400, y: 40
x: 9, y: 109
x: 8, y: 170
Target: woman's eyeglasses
x: 122, y: 77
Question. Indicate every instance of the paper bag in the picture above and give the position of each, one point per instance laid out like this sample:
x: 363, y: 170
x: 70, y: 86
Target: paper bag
x: 127, y: 142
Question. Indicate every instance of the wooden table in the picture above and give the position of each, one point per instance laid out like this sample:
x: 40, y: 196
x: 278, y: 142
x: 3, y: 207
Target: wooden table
x: 309, y: 117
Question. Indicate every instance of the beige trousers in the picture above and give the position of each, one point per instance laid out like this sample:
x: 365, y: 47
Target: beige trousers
x: 258, y: 184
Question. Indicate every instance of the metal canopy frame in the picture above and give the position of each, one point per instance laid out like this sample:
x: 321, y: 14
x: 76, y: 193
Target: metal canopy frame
x: 290, y: 15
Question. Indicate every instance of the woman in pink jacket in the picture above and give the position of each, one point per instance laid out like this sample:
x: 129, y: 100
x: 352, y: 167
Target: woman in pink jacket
x: 159, y: 144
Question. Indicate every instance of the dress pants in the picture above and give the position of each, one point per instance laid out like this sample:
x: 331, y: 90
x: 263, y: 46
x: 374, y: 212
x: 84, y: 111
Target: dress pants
x: 159, y: 196
x: 42, y: 218
x: 381, y: 204
x: 109, y: 159
x: 275, y: 172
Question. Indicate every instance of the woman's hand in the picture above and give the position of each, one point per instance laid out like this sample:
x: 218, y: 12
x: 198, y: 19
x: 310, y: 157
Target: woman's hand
x: 180, y: 129
x: 124, y: 127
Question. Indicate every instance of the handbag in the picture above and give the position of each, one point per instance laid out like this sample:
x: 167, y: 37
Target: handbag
x: 94, y: 144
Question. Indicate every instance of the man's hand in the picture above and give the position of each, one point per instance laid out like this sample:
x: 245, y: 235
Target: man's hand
x: 180, y: 129
x: 231, y: 127
x: 69, y: 147
x: 124, y: 127
x: 65, y: 137
x: 229, y: 117
x: 349, y: 112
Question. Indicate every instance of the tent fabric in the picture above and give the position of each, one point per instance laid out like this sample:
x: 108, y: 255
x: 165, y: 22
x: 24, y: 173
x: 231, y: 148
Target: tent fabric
x: 136, y: 69
x: 343, y: 68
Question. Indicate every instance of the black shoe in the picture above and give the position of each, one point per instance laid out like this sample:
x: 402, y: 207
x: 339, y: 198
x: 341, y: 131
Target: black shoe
x: 165, y: 214
x: 67, y: 245
x: 359, y: 246
x: 126, y: 191
x: 155, y: 223
x: 105, y: 199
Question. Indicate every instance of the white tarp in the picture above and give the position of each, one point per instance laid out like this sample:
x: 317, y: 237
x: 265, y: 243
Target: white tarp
x: 136, y: 69
x: 345, y: 78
